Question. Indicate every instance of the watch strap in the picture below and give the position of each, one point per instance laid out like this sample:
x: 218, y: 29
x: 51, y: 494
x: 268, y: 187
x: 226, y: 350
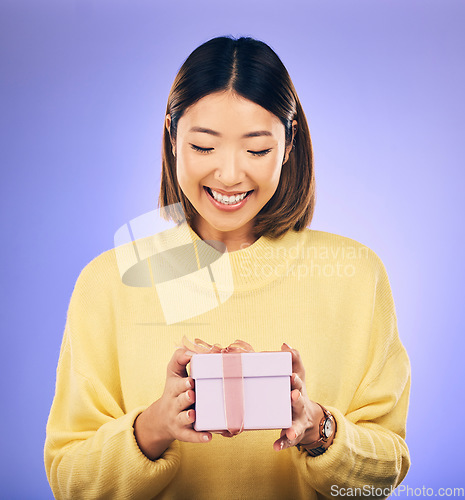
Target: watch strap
x: 314, y: 452
x: 317, y: 447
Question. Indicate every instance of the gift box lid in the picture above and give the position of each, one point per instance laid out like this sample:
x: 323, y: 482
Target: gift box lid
x: 254, y: 364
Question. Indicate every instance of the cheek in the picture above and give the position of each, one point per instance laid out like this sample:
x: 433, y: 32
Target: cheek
x: 269, y: 176
x: 188, y: 171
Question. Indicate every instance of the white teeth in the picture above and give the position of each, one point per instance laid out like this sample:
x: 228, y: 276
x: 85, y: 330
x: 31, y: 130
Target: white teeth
x: 228, y: 200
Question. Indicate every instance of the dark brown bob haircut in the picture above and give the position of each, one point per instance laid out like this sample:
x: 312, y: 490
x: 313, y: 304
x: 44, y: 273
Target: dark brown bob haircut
x: 252, y: 70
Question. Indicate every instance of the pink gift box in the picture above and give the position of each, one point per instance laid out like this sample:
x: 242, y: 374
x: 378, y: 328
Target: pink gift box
x: 266, y: 390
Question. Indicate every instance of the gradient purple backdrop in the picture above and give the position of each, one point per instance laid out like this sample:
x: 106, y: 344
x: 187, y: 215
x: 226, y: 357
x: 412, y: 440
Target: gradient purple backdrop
x: 83, y: 89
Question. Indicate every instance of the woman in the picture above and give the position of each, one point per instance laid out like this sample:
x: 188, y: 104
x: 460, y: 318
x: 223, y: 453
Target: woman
x: 237, y: 159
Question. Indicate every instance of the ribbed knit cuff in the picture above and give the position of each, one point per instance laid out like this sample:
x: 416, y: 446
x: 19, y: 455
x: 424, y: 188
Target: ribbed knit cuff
x: 171, y: 452
x: 143, y: 477
x: 322, y: 467
x: 357, y: 458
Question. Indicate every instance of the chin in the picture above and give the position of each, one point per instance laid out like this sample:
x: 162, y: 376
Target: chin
x: 223, y: 226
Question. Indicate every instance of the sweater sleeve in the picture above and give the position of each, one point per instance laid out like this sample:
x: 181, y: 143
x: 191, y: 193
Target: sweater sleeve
x: 369, y: 451
x: 90, y: 448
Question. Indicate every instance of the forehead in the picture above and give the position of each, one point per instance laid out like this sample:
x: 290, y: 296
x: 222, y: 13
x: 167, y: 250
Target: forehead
x: 230, y: 115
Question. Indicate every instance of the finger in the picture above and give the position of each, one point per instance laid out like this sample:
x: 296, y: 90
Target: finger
x: 297, y: 402
x: 298, y: 416
x: 185, y: 432
x: 227, y: 434
x: 177, y: 386
x: 178, y: 363
x: 296, y: 382
x: 277, y: 444
x: 297, y: 365
x: 186, y: 418
x: 191, y: 436
x: 283, y: 442
x: 185, y: 399
x: 290, y: 437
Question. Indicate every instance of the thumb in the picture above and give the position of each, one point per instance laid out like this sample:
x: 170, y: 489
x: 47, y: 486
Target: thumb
x: 178, y: 362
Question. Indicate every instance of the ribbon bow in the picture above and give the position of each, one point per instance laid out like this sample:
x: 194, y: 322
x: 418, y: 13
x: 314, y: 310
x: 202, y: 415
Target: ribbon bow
x: 199, y: 346
x: 233, y: 382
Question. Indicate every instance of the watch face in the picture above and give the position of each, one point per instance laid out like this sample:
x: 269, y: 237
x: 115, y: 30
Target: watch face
x: 328, y: 427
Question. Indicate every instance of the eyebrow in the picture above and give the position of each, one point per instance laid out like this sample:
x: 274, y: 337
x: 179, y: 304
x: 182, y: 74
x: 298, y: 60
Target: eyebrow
x: 257, y: 133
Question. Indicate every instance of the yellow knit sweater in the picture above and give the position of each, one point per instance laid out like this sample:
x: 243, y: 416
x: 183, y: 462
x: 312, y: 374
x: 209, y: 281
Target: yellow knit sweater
x: 325, y: 295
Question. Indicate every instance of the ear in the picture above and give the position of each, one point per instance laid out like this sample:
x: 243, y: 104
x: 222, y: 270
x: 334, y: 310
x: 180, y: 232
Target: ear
x: 168, y: 127
x: 290, y: 146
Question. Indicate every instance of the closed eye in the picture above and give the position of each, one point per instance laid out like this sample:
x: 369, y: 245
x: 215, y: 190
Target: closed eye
x: 260, y: 153
x: 209, y: 150
x: 201, y: 150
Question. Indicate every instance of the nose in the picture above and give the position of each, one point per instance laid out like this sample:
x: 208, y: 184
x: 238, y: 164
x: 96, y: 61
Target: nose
x: 229, y: 172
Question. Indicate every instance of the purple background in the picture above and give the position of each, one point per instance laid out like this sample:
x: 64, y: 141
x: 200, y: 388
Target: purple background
x: 83, y: 89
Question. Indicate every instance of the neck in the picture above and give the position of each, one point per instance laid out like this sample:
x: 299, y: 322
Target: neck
x: 233, y: 240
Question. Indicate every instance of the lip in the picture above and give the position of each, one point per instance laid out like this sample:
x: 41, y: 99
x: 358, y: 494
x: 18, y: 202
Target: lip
x: 226, y: 208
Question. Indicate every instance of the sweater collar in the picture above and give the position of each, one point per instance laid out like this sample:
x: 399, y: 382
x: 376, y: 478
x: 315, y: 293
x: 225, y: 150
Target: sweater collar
x: 261, y: 263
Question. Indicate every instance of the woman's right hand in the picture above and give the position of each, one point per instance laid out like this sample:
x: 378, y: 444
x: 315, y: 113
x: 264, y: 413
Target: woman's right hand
x: 169, y: 417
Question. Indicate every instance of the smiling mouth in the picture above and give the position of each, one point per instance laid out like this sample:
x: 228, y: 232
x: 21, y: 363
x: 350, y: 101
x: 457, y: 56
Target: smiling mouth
x: 227, y: 200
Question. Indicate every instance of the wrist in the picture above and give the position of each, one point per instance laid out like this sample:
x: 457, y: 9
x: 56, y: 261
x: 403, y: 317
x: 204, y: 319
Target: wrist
x: 150, y: 440
x: 327, y: 430
x: 312, y: 434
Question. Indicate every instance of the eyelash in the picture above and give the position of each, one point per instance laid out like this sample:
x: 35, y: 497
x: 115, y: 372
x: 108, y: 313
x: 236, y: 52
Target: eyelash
x: 208, y: 150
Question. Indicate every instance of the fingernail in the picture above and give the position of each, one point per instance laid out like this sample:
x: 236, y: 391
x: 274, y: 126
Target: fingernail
x: 189, y: 353
x: 287, y: 345
x: 205, y: 437
x: 188, y: 384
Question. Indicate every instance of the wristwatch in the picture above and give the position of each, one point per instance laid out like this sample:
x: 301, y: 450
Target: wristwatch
x: 327, y: 428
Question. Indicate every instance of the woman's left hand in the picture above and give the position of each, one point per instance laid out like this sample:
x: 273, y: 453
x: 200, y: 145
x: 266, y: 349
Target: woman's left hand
x: 306, y: 414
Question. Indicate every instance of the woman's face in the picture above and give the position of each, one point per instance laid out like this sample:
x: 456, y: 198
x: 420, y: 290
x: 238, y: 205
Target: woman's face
x: 229, y: 155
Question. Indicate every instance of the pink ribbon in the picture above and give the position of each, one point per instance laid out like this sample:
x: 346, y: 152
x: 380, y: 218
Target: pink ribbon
x: 233, y: 390
x: 233, y: 381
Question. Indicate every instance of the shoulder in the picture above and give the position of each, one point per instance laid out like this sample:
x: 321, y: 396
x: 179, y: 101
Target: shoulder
x: 330, y: 248
x: 361, y: 277
x: 112, y: 267
x: 99, y: 274
x: 324, y: 238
